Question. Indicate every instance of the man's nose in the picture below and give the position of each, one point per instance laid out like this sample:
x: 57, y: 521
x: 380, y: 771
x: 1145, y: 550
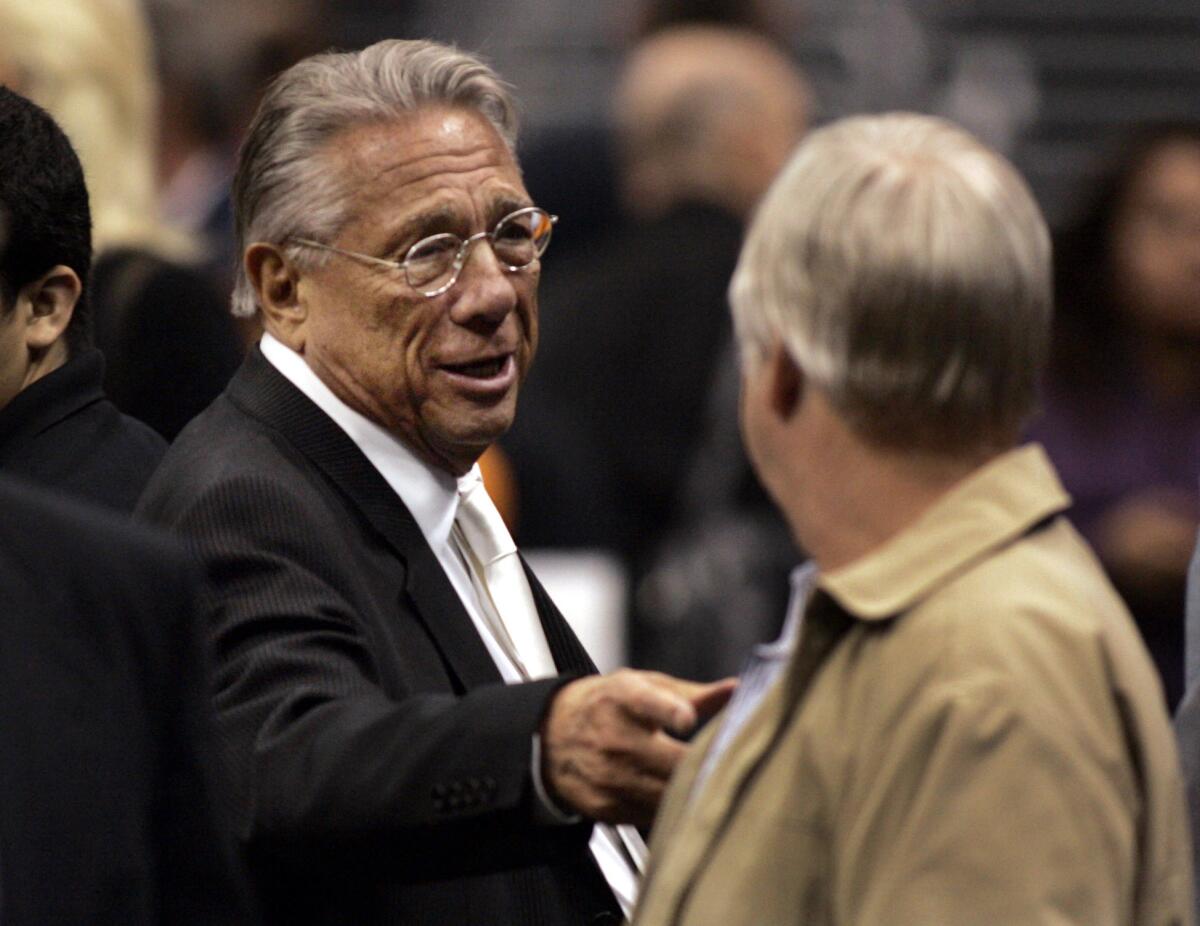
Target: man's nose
x: 486, y: 289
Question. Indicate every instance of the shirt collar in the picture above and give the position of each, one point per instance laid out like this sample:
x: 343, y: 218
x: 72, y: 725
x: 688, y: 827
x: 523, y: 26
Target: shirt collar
x: 57, y: 395
x: 993, y: 506
x: 803, y: 579
x: 430, y: 494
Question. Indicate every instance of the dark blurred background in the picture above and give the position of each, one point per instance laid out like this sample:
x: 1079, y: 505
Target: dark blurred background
x: 624, y: 465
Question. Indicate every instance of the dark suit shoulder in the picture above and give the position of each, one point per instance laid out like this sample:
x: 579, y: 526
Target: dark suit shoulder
x: 77, y: 535
x: 231, y: 486
x: 222, y: 447
x: 63, y: 433
x: 93, y: 572
x: 105, y: 732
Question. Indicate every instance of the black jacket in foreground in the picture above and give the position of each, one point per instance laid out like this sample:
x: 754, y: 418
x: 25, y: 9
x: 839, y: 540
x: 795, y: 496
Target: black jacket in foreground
x: 107, y: 813
x: 62, y: 433
x: 380, y: 764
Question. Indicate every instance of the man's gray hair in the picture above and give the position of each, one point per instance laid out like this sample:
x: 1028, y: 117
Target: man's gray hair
x: 284, y: 186
x: 905, y: 268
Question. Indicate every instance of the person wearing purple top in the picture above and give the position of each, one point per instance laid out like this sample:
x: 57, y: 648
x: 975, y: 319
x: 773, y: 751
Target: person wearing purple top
x: 1122, y: 403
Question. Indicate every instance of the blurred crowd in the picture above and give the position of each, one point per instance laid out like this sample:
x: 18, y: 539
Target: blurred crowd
x: 628, y: 429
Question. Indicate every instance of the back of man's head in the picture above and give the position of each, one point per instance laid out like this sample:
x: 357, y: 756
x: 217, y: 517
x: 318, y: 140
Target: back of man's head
x: 906, y: 270
x: 44, y: 205
x: 708, y: 114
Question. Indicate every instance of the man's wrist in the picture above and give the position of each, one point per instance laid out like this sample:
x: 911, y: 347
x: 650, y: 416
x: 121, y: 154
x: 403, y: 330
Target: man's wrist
x: 545, y: 809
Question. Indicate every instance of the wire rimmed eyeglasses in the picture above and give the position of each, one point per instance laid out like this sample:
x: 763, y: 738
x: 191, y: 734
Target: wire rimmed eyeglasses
x: 433, y: 264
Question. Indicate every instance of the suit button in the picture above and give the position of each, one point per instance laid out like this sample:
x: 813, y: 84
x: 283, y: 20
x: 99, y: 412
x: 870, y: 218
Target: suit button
x: 474, y: 784
x: 605, y: 919
x: 456, y: 787
x: 438, y: 791
x: 439, y: 804
x: 489, y: 783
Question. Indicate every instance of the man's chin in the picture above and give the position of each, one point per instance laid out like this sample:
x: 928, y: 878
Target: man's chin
x: 460, y: 450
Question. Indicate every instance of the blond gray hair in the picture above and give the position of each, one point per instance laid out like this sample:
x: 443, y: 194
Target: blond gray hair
x: 905, y: 268
x: 89, y: 63
x: 284, y: 187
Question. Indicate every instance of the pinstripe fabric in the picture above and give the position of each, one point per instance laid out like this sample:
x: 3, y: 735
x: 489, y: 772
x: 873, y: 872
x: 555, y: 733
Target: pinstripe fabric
x: 379, y: 765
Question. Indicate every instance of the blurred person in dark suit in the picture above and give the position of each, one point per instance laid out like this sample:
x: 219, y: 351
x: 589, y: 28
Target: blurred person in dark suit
x: 169, y: 343
x: 704, y: 116
x: 1121, y: 407
x: 109, y: 812
x: 959, y: 723
x: 399, y: 699
x: 57, y: 426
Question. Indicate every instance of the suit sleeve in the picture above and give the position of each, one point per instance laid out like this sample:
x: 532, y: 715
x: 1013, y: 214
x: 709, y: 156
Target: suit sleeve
x: 986, y: 806
x: 322, y: 757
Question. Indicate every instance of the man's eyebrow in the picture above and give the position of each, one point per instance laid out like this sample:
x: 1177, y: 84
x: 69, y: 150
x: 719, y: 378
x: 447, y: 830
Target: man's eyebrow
x: 444, y: 218
x: 504, y: 206
x: 439, y: 218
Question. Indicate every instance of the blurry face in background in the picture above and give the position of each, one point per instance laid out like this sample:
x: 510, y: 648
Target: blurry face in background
x: 1156, y: 241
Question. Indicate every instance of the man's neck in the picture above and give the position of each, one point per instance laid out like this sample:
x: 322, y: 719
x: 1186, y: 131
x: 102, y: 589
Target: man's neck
x: 852, y: 497
x: 47, y: 362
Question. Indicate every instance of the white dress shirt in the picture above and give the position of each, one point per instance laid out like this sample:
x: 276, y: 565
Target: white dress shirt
x: 431, y: 495
x: 762, y: 670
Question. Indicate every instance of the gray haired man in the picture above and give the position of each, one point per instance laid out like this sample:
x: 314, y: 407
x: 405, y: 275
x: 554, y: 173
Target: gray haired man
x: 960, y: 723
x: 412, y: 728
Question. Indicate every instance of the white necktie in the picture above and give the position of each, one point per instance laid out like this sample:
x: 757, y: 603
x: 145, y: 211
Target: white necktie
x: 500, y: 582
x: 508, y: 606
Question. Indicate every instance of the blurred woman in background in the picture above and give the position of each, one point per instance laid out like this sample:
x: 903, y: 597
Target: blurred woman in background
x: 169, y: 342
x: 1122, y: 403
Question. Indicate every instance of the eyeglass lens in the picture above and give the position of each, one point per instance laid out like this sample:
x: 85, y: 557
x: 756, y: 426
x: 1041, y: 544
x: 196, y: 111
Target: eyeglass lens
x: 518, y: 240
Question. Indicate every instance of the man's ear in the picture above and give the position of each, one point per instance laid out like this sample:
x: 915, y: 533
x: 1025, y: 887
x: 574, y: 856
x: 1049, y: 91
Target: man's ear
x: 48, y: 303
x: 274, y: 281
x: 786, y: 382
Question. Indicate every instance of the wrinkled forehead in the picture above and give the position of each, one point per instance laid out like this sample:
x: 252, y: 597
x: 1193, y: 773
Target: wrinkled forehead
x: 419, y: 145
x: 421, y: 157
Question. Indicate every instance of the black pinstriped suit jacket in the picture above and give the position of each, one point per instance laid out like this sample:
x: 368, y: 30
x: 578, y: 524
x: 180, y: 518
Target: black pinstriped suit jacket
x: 380, y: 767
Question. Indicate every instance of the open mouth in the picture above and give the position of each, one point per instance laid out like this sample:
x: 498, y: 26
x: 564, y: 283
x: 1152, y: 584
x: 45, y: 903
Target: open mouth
x: 480, y: 369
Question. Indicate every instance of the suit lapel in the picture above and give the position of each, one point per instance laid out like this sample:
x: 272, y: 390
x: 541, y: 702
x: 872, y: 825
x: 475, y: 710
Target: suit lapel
x: 706, y: 815
x: 264, y: 393
x: 569, y: 654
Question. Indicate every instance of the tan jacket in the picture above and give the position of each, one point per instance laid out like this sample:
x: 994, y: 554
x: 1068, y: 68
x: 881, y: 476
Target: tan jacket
x: 969, y: 732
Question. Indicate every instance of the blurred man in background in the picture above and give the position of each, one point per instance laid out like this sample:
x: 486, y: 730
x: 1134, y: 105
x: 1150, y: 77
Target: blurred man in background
x: 622, y: 398
x: 57, y: 426
x: 168, y: 343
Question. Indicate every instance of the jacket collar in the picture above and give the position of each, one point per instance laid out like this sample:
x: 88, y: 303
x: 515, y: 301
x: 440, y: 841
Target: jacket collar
x: 265, y: 394
x: 992, y: 507
x: 59, y: 394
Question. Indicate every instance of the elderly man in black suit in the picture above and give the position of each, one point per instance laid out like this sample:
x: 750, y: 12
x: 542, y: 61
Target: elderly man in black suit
x: 57, y: 427
x: 107, y: 811
x: 413, y: 729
